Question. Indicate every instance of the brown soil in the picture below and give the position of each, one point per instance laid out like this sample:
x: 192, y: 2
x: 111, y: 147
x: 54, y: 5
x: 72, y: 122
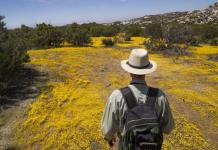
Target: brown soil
x: 14, y: 102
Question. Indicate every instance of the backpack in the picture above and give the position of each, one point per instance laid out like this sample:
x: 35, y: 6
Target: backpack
x: 142, y: 124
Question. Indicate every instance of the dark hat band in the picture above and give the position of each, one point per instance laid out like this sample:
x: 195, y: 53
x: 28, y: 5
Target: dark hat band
x: 136, y: 67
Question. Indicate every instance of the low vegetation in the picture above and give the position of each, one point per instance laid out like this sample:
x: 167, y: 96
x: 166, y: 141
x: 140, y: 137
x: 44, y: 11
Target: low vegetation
x: 108, y: 42
x: 213, y: 57
x: 68, y: 114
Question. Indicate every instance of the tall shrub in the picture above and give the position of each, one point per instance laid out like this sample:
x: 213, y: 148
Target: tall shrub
x: 13, y: 50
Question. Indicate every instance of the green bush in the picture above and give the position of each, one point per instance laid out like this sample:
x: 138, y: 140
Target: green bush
x: 77, y: 36
x: 213, y: 57
x: 13, y: 48
x: 108, y: 42
x: 127, y: 37
x: 166, y: 48
x: 154, y: 31
x: 192, y: 41
x: 213, y: 42
x: 134, y: 30
x: 45, y: 36
x: 157, y: 45
x: 80, y: 38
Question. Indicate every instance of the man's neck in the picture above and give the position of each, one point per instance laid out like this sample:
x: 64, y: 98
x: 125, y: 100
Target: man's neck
x: 139, y: 78
x: 138, y: 81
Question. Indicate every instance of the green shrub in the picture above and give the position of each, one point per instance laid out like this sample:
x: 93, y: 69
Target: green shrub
x: 213, y: 57
x: 156, y: 45
x: 108, y: 42
x: 133, y: 30
x: 77, y: 36
x: 13, y: 48
x: 45, y: 36
x: 193, y: 41
x: 213, y: 42
x: 166, y: 48
x: 80, y: 38
x: 127, y: 37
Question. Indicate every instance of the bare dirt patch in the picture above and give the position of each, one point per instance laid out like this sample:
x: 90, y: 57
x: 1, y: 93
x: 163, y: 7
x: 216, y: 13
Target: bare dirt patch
x: 14, y: 102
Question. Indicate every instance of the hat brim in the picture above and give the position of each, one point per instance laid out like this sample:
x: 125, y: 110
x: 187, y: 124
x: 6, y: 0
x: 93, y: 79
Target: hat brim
x: 151, y: 68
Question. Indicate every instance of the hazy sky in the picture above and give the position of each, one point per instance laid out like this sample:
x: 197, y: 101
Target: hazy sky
x: 59, y: 12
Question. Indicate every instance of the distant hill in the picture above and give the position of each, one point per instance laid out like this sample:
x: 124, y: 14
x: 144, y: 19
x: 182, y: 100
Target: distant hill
x: 208, y: 15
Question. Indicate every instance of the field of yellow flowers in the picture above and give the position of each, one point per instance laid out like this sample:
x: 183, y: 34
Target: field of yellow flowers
x: 67, y: 114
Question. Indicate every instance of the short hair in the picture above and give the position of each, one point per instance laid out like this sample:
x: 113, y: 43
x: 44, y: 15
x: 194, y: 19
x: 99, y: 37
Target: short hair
x: 136, y: 75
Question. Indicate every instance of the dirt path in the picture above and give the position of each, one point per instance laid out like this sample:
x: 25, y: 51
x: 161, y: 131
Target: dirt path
x: 208, y: 129
x: 15, y: 101
x: 12, y: 115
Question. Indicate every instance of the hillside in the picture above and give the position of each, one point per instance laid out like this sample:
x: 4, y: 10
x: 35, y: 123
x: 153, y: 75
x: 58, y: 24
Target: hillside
x: 55, y: 80
x: 68, y: 112
x: 208, y: 15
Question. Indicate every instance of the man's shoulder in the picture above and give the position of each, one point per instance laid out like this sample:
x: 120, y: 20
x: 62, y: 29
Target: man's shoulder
x: 161, y: 93
x: 162, y: 98
x: 116, y: 94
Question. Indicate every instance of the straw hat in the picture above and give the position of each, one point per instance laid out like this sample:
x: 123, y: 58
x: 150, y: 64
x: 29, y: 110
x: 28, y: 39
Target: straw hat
x: 139, y: 63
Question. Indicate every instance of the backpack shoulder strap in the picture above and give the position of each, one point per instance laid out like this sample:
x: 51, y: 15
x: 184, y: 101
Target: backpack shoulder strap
x: 152, y: 96
x: 129, y: 97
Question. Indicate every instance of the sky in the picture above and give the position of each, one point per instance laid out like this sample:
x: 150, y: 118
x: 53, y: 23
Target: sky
x: 61, y: 12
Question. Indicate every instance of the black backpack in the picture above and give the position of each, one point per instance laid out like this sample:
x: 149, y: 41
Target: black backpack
x: 142, y: 125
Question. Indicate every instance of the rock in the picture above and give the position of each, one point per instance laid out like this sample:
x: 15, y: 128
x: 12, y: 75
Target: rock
x: 208, y: 15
